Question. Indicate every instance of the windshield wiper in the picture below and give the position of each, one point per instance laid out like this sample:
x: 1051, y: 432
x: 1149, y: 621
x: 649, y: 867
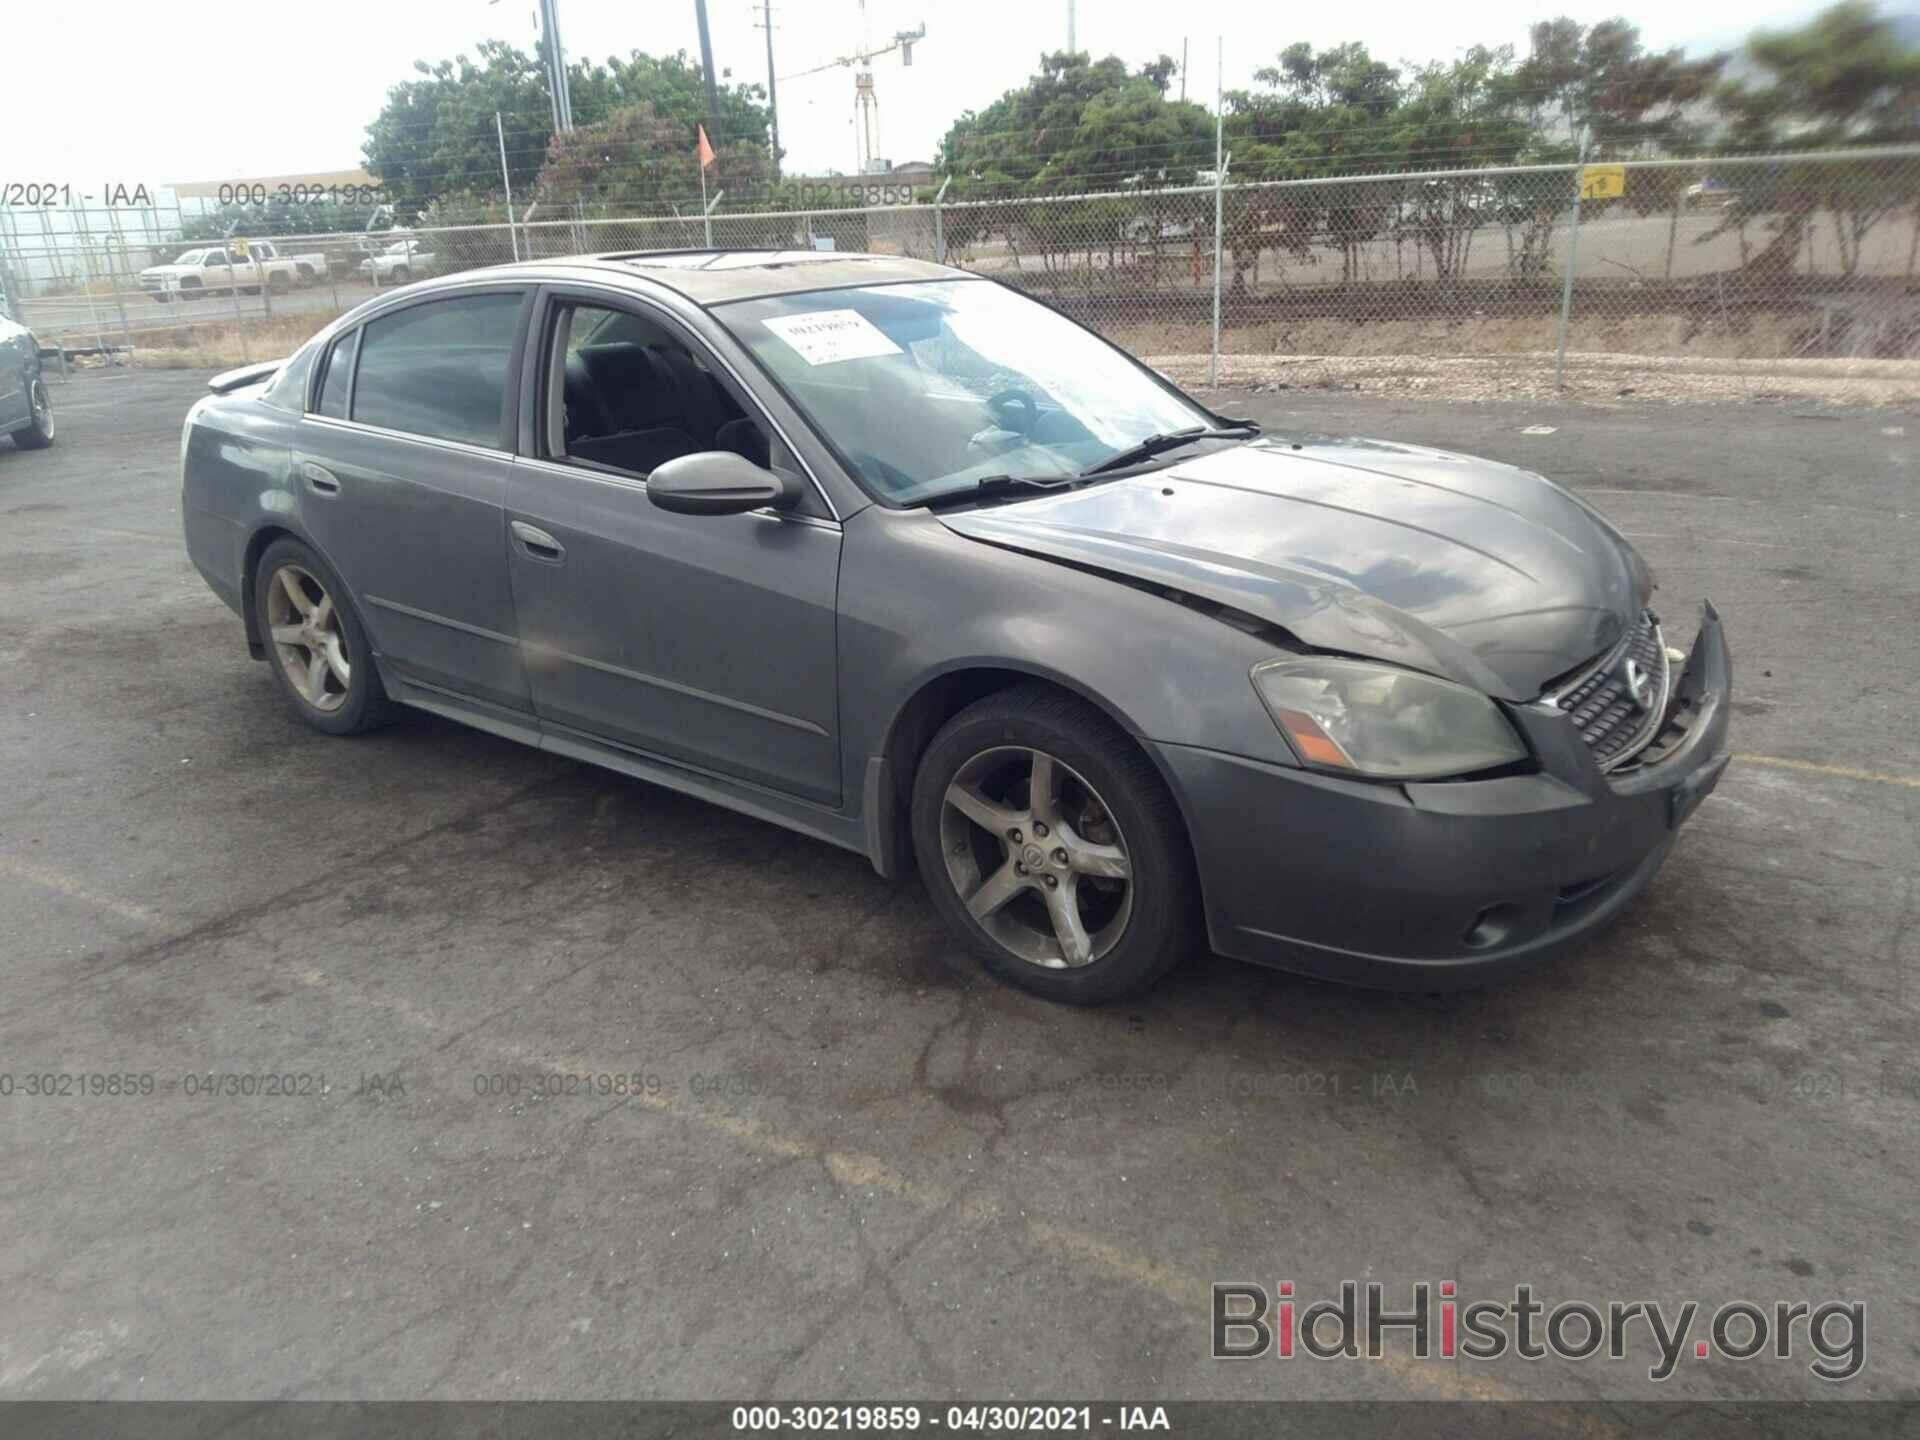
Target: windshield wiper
x: 988, y: 486
x: 1172, y: 440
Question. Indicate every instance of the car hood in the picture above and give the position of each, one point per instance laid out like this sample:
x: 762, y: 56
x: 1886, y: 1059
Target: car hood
x: 1465, y: 568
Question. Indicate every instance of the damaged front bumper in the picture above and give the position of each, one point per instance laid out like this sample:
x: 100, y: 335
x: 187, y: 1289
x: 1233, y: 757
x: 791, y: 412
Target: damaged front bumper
x: 1424, y: 885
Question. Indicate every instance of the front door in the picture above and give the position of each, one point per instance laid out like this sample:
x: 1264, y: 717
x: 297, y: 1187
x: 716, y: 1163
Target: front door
x: 401, y: 471
x: 708, y: 640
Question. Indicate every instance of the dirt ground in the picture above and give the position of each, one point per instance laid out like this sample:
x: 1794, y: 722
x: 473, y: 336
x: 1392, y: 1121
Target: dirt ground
x: 1613, y: 380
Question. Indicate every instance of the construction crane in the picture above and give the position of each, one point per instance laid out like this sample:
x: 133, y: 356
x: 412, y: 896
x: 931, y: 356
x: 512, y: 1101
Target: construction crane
x: 866, y: 102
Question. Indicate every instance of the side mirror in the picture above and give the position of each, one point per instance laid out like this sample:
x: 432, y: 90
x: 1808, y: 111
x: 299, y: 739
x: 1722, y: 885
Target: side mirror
x: 719, y: 482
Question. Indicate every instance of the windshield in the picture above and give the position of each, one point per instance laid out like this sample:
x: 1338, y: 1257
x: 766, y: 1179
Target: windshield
x: 192, y: 257
x: 928, y: 388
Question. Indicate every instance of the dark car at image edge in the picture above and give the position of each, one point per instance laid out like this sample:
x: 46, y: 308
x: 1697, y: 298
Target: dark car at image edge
x: 26, y: 409
x: 891, y: 555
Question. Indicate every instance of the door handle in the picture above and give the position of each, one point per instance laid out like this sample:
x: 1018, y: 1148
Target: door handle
x: 537, y: 542
x: 319, y: 479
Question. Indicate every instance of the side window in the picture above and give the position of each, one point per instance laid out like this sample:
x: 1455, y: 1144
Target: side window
x: 439, y: 369
x: 215, y: 257
x: 333, y: 385
x: 627, y: 392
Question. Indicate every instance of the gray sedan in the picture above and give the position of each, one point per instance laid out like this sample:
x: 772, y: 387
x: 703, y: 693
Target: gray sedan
x: 26, y: 410
x: 899, y: 558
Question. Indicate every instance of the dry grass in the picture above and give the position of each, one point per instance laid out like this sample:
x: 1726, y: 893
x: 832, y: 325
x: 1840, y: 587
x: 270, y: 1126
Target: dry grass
x: 1601, y: 379
x: 207, y: 346
x: 1766, y: 335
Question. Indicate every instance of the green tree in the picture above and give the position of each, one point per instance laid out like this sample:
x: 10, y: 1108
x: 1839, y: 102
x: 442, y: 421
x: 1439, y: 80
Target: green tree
x: 1313, y: 114
x: 638, y: 162
x: 434, y: 139
x: 1457, y: 115
x: 1078, y: 125
x: 1843, y: 79
x: 1601, y: 82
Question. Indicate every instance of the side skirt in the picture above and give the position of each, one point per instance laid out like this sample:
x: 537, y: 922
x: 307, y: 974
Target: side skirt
x: 849, y: 832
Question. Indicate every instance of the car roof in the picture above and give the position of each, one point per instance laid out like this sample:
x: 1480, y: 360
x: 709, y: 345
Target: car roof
x: 713, y: 277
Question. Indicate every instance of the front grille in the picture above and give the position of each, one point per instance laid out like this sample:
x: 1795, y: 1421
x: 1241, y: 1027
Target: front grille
x: 1617, y: 705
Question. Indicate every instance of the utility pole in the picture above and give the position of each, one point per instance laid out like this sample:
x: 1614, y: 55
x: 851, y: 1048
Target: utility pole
x: 500, y: 134
x: 556, y: 57
x: 1219, y: 198
x: 706, y: 64
x: 773, y: 99
x: 1183, y: 69
x: 1073, y: 42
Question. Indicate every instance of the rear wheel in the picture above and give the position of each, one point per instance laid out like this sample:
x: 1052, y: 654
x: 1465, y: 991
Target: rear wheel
x: 1053, y: 848
x: 319, y: 649
x: 39, y: 433
x: 400, y: 276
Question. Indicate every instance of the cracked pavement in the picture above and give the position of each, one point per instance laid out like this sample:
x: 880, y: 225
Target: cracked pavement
x: 841, y: 1164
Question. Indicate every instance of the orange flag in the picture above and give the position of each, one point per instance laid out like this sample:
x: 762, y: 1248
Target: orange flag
x: 705, y: 151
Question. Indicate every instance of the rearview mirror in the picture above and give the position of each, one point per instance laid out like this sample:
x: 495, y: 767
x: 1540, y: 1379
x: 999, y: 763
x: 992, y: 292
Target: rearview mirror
x: 718, y: 482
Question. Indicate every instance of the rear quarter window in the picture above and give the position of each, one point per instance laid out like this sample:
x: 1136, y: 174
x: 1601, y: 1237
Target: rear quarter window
x: 288, y: 389
x: 339, y: 375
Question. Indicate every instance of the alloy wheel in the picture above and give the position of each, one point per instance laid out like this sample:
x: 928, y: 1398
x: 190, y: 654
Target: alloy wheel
x: 307, y: 638
x: 1037, y: 857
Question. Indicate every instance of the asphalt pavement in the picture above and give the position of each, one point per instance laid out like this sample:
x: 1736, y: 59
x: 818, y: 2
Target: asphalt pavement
x: 445, y: 1068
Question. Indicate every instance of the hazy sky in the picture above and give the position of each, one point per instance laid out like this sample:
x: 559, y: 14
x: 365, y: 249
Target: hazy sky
x: 165, y: 93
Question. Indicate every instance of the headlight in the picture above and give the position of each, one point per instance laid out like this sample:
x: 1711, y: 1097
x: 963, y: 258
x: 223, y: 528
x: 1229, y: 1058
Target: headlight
x: 1377, y: 720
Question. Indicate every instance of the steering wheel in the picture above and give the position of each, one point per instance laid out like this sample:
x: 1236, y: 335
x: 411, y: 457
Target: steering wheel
x: 1002, y: 405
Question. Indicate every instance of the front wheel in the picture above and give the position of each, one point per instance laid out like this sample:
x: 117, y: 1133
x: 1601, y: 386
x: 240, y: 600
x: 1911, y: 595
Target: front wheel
x: 1052, y: 847
x: 399, y: 276
x: 39, y: 432
x: 318, y: 647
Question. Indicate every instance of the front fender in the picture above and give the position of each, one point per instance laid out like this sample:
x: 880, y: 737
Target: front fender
x: 920, y: 605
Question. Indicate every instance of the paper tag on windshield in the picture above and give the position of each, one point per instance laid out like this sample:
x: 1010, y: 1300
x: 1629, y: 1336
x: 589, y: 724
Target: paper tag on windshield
x: 823, y: 337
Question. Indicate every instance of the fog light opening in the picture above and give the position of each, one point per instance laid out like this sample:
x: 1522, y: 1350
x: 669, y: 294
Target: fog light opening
x: 1490, y: 927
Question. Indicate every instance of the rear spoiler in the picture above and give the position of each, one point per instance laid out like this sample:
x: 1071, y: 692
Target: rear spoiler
x: 230, y: 380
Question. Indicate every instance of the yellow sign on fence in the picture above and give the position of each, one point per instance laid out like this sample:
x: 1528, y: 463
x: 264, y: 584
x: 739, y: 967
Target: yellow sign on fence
x: 238, y: 245
x: 1602, y: 182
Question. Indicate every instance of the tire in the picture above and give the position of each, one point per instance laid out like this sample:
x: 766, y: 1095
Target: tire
x: 401, y: 275
x: 39, y: 434
x: 338, y: 707
x: 191, y: 291
x: 1109, y: 812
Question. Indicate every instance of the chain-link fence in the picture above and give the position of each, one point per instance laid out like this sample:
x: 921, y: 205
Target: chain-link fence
x: 1772, y: 263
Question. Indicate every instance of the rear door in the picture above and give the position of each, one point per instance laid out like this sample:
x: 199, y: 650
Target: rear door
x: 18, y: 363
x: 709, y: 640
x: 402, y: 467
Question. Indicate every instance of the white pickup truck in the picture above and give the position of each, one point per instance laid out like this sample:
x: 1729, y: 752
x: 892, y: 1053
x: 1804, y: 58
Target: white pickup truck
x: 398, y: 262
x: 220, y: 268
